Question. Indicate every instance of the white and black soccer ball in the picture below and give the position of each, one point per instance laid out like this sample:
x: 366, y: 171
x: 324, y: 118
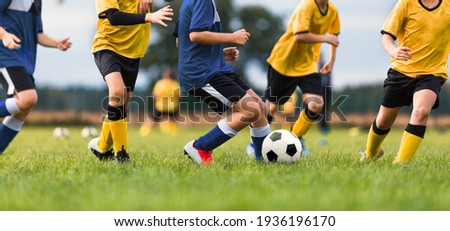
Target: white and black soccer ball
x: 281, y: 146
x: 61, y: 133
x: 89, y: 132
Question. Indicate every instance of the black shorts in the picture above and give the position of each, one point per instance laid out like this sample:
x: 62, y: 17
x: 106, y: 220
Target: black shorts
x: 222, y: 91
x: 16, y: 79
x: 280, y: 87
x: 399, y: 89
x: 109, y: 62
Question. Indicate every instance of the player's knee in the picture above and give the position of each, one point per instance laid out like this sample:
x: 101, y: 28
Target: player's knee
x: 27, y: 103
x: 421, y: 114
x: 117, y: 96
x: 315, y: 107
x: 252, y: 112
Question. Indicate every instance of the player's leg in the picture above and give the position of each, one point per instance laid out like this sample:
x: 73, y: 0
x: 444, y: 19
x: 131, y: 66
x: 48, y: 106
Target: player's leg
x: 378, y: 132
x: 22, y: 96
x: 117, y: 114
x: 311, y: 86
x: 309, y: 115
x: 222, y: 93
x: 12, y: 124
x: 424, y: 99
x: 251, y: 111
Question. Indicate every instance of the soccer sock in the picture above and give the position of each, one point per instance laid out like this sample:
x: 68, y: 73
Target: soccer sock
x: 304, y: 122
x: 8, y: 130
x: 258, y: 135
x: 411, y: 139
x: 374, y: 140
x: 8, y: 107
x: 105, y: 142
x: 118, y: 126
x: 220, y: 134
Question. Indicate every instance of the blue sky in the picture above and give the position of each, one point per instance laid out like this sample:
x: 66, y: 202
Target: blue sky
x: 360, y: 58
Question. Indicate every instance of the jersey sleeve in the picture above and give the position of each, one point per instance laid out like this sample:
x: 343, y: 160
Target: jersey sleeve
x: 39, y: 25
x: 203, y: 13
x: 3, y: 6
x: 395, y: 20
x: 335, y: 26
x: 302, y: 18
x: 105, y: 5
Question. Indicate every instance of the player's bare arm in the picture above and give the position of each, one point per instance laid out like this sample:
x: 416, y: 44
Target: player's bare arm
x: 231, y: 54
x: 163, y: 14
x: 399, y: 53
x: 239, y: 37
x: 47, y: 41
x: 309, y: 37
x: 9, y: 40
x: 327, y: 68
x: 145, y: 6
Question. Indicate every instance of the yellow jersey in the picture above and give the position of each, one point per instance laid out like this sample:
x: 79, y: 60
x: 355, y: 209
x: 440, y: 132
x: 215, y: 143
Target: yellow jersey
x: 426, y: 32
x: 130, y: 41
x: 294, y: 59
x: 167, y: 95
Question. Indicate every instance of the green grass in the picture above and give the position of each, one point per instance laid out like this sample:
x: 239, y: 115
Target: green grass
x: 38, y: 172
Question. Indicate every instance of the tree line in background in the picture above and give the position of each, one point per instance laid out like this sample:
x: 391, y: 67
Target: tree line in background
x: 355, y: 100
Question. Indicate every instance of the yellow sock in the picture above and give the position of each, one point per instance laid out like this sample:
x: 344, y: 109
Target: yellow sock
x: 302, y: 125
x: 105, y: 142
x: 119, y: 134
x: 408, y: 147
x: 374, y: 142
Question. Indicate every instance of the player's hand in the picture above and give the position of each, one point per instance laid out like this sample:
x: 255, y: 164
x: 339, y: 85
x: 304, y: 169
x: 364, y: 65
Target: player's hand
x: 241, y: 37
x: 11, y: 41
x: 402, y: 53
x: 333, y: 40
x: 163, y: 14
x: 64, y: 44
x: 231, y: 54
x: 326, y: 68
x: 145, y: 6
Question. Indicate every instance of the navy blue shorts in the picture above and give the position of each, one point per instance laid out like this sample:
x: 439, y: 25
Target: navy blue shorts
x: 280, y: 87
x: 399, y: 89
x: 16, y: 79
x: 222, y: 91
x: 109, y: 62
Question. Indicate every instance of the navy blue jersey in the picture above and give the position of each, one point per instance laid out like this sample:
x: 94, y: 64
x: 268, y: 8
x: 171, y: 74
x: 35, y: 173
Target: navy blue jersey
x: 198, y: 63
x: 23, y: 19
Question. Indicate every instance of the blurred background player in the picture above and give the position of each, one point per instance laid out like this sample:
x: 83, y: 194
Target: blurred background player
x: 166, y: 93
x: 122, y: 37
x: 293, y: 62
x: 21, y: 31
x: 204, y: 73
x: 418, y: 69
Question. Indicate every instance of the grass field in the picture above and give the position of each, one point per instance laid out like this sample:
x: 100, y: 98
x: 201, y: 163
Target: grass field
x: 39, y: 172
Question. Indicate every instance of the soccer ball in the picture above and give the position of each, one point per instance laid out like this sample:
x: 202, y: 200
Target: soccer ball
x: 61, y: 133
x: 89, y: 132
x: 281, y: 146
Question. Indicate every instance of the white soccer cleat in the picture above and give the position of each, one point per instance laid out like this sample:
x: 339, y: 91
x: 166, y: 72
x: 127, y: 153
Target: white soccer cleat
x: 364, y: 158
x: 197, y: 155
x: 93, y: 146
